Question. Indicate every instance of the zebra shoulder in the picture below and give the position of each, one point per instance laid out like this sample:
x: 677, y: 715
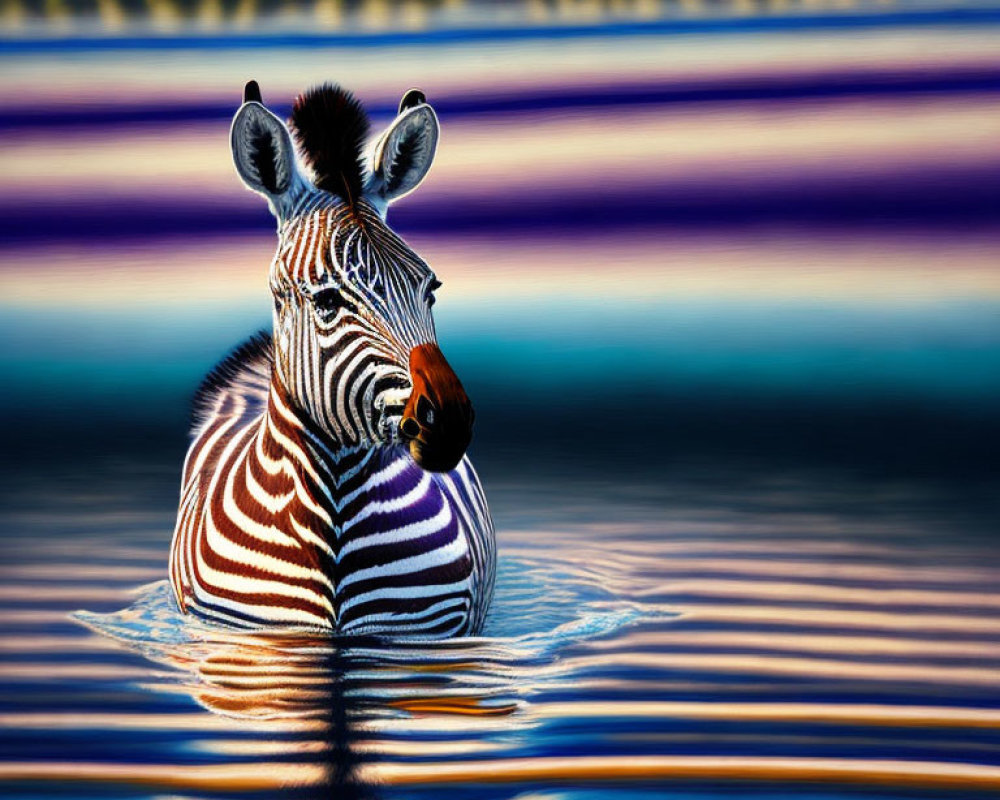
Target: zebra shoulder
x: 236, y: 386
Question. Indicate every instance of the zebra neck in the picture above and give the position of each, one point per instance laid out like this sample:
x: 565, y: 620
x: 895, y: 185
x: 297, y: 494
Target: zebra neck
x: 329, y: 470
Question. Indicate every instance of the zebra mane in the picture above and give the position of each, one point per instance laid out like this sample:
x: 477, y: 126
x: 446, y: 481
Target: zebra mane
x: 331, y: 128
x: 245, y: 372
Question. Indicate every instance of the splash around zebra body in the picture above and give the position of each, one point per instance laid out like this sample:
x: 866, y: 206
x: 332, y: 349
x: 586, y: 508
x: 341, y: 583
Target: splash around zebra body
x: 326, y: 486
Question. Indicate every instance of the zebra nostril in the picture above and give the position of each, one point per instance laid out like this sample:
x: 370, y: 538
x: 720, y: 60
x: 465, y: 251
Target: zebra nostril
x: 409, y: 427
x: 425, y: 411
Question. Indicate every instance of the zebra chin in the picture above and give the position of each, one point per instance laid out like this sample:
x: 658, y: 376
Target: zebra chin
x: 437, y: 458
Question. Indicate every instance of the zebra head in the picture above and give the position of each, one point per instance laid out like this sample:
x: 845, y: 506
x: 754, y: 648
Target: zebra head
x: 354, y: 339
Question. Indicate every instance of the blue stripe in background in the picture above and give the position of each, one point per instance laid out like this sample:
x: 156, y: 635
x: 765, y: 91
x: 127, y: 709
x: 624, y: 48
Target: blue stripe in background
x: 870, y: 83
x: 932, y: 18
x: 930, y: 200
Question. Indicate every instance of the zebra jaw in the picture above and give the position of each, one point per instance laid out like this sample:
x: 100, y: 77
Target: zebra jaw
x: 389, y: 406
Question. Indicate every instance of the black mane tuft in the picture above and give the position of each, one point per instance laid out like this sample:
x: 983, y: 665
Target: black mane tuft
x: 331, y: 128
x: 246, y: 370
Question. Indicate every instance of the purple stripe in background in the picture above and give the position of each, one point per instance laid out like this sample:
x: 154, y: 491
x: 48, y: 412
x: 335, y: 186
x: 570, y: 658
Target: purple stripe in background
x: 939, y: 199
x: 817, y: 86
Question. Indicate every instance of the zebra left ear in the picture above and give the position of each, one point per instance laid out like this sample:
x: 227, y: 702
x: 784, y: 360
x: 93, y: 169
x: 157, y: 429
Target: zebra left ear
x: 263, y: 153
x: 404, y: 153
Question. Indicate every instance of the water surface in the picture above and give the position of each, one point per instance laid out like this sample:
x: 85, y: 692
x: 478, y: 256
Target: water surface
x: 788, y: 637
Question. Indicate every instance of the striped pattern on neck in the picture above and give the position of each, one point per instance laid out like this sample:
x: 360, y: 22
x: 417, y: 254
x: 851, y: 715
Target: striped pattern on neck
x: 280, y: 527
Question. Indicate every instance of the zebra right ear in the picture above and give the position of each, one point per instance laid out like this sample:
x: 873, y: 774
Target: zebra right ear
x: 403, y: 154
x: 263, y: 152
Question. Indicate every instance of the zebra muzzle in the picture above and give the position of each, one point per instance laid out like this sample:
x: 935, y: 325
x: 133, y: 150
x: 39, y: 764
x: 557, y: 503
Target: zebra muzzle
x: 437, y: 419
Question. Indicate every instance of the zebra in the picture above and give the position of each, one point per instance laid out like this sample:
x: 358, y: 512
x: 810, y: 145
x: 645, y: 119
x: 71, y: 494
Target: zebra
x: 326, y: 486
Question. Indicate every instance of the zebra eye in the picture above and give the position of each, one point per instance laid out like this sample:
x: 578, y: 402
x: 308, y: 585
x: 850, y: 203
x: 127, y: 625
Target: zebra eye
x: 330, y: 301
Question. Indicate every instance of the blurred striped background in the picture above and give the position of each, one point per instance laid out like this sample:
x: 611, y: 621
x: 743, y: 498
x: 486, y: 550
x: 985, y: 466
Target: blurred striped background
x: 768, y: 228
x: 117, y: 16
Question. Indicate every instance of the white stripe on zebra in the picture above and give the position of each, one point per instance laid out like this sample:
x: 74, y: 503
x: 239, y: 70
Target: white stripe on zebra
x: 252, y: 588
x: 405, y: 593
x: 431, y: 610
x: 276, y: 615
x: 309, y: 537
x: 445, y: 554
x: 400, y: 503
x: 383, y: 476
x: 405, y: 533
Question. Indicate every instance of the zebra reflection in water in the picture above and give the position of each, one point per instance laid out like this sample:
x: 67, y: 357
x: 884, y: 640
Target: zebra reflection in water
x: 335, y: 712
x: 327, y: 484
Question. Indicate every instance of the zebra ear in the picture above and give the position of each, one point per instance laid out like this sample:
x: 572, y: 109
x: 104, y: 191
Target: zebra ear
x: 405, y: 151
x: 263, y: 152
